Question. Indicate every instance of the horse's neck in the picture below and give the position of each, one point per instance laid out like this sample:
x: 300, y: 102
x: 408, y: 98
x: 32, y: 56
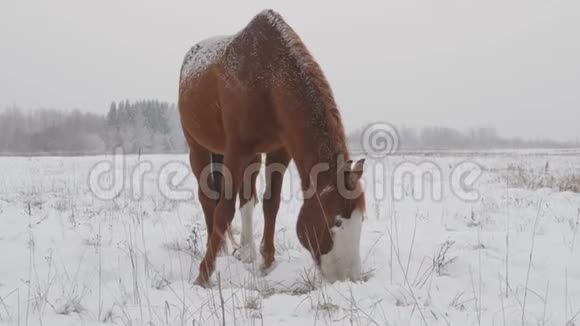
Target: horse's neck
x: 315, y: 131
x: 318, y: 154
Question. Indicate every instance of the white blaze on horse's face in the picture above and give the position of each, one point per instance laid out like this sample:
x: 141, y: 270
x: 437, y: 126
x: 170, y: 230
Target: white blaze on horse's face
x: 343, y: 262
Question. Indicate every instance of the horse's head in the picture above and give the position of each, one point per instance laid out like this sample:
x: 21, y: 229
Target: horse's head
x: 329, y: 224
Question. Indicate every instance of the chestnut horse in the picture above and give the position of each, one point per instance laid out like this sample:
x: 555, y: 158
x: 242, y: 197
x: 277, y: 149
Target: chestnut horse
x: 260, y: 91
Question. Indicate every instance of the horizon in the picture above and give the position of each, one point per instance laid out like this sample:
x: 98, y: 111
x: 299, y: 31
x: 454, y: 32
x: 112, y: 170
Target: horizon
x: 401, y: 130
x: 352, y: 130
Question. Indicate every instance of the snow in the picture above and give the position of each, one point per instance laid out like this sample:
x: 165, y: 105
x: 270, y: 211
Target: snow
x: 202, y: 55
x: 67, y: 257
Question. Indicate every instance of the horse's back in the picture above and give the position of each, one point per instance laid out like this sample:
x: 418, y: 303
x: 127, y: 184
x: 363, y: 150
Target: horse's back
x: 202, y: 56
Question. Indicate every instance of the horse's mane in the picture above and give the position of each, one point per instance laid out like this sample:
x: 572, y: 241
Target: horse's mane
x: 326, y: 117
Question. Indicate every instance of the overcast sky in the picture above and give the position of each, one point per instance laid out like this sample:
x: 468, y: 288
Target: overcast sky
x: 511, y: 64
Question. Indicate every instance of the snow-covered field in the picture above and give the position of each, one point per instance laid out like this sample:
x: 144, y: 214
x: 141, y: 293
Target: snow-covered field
x: 69, y: 256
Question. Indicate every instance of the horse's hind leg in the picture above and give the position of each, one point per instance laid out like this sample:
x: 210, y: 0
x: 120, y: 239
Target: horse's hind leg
x: 234, y: 164
x: 247, y: 195
x: 203, y: 164
x: 276, y: 164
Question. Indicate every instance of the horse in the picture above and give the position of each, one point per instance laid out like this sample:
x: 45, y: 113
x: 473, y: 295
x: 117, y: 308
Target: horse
x: 257, y: 92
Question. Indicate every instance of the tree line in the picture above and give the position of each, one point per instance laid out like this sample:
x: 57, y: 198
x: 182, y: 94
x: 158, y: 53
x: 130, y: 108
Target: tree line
x: 445, y: 138
x: 144, y: 126
x: 152, y: 126
x: 147, y: 126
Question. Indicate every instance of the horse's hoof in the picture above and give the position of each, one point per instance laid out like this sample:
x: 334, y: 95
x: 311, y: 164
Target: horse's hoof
x: 266, y: 268
x: 246, y: 254
x: 202, y: 282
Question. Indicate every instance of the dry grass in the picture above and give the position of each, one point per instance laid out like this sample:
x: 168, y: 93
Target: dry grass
x: 72, y: 305
x: 521, y: 177
x: 440, y: 260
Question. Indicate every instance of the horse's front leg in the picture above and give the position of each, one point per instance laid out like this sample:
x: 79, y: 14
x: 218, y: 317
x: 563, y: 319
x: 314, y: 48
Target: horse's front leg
x: 232, y: 174
x: 247, y: 251
x: 276, y: 164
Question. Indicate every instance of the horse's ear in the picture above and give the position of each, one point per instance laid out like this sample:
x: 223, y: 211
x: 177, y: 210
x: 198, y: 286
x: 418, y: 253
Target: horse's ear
x: 357, y: 170
x: 353, y: 172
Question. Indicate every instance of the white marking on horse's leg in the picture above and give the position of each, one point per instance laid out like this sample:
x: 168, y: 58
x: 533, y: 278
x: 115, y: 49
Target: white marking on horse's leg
x: 248, y: 247
x: 233, y: 241
x: 224, y: 250
x: 343, y: 260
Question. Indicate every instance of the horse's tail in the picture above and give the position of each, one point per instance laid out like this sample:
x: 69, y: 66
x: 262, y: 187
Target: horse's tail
x: 217, y: 161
